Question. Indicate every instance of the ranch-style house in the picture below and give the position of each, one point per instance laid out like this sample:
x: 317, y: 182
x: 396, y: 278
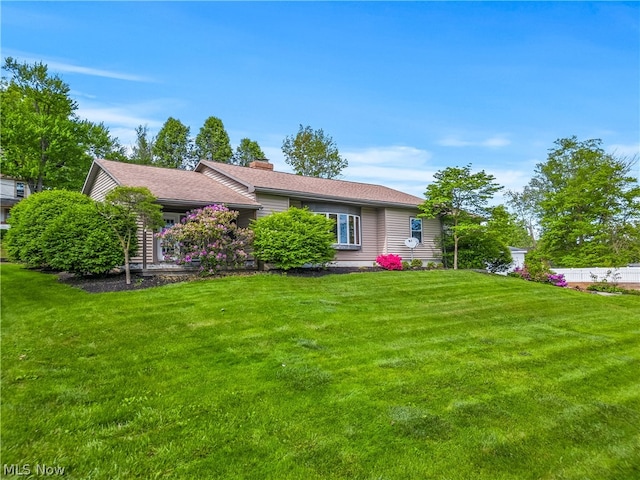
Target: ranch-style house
x: 370, y: 219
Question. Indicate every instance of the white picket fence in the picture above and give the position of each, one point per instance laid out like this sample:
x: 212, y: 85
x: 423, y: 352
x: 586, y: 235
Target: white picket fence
x: 611, y: 275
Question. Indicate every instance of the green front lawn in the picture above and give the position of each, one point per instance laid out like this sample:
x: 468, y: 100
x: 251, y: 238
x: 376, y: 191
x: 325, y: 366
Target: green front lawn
x: 389, y: 375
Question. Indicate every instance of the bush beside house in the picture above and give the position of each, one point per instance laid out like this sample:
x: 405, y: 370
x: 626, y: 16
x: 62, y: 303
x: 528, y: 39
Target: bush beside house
x: 64, y: 231
x: 294, y: 238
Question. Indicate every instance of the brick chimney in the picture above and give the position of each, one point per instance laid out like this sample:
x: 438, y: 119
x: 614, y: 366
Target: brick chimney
x: 262, y: 164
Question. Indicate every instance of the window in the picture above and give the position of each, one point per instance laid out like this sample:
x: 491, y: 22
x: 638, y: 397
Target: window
x: 19, y: 189
x: 346, y: 229
x: 416, y: 228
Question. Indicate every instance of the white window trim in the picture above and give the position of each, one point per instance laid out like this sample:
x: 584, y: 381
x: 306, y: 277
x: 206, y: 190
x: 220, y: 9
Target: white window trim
x: 411, y: 230
x: 357, y: 222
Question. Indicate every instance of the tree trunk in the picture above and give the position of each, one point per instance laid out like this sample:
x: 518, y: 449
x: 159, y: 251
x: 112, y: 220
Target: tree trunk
x: 455, y: 251
x: 144, y: 248
x: 127, y: 270
x: 532, y: 235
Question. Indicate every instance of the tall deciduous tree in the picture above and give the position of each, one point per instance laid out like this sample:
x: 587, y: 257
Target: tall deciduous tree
x: 212, y: 142
x: 460, y: 198
x: 142, y: 151
x: 172, y: 147
x: 123, y: 207
x: 525, y: 207
x: 247, y: 152
x: 43, y: 140
x: 312, y: 153
x: 589, y: 204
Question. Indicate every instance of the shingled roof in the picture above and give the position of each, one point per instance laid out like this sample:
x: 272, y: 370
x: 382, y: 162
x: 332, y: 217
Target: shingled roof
x: 268, y: 181
x: 170, y: 185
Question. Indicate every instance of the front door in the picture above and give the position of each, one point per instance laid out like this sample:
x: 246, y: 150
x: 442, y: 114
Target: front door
x: 167, y: 252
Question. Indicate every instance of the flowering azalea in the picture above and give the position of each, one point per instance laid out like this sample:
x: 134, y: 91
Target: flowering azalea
x: 209, y: 235
x: 390, y: 261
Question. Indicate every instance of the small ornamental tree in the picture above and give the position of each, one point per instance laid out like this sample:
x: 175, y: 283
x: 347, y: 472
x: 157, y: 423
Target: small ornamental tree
x: 294, y: 238
x: 459, y: 197
x: 122, y: 208
x: 210, y: 236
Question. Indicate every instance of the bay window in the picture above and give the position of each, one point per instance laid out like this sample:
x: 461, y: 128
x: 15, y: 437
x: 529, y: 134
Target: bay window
x: 346, y: 228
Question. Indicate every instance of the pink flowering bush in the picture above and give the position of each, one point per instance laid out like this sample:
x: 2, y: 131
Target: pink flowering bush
x: 390, y: 261
x: 556, y: 279
x: 211, y: 237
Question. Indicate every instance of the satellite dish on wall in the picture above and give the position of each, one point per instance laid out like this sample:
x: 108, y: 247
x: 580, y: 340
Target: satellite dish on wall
x: 411, y: 242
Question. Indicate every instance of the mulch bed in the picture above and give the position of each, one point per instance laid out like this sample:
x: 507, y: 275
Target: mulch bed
x: 116, y: 282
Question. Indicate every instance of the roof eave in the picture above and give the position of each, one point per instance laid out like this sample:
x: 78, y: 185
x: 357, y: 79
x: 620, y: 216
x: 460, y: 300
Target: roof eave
x: 345, y: 200
x: 174, y: 202
x: 250, y: 187
x: 93, y: 173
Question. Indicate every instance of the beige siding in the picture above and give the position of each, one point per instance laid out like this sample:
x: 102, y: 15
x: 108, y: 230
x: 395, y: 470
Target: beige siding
x: 228, y: 182
x: 245, y: 217
x: 102, y: 185
x: 137, y: 258
x: 272, y: 204
x: 382, y: 231
x: 431, y: 239
x: 398, y: 229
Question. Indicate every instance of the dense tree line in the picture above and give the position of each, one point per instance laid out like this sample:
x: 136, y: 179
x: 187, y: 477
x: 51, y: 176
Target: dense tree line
x: 580, y: 209
x: 46, y: 143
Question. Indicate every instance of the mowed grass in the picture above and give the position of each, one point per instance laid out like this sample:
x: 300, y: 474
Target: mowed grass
x: 389, y: 375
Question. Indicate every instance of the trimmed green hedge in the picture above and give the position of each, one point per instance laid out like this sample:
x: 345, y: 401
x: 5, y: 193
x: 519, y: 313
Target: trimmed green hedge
x: 294, y: 238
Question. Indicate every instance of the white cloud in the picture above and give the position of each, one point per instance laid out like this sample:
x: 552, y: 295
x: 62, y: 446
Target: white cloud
x: 382, y: 175
x: 122, y: 120
x: 57, y: 66
x: 392, y: 155
x: 496, y: 141
x: 116, y: 116
x: 625, y: 150
x: 77, y: 93
x: 510, y: 179
x: 60, y: 67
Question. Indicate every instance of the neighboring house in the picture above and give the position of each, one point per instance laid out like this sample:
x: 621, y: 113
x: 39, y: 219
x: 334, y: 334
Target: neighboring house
x: 370, y: 219
x: 11, y: 192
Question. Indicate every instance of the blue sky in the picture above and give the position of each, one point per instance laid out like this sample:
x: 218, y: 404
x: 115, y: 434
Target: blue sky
x: 404, y: 88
